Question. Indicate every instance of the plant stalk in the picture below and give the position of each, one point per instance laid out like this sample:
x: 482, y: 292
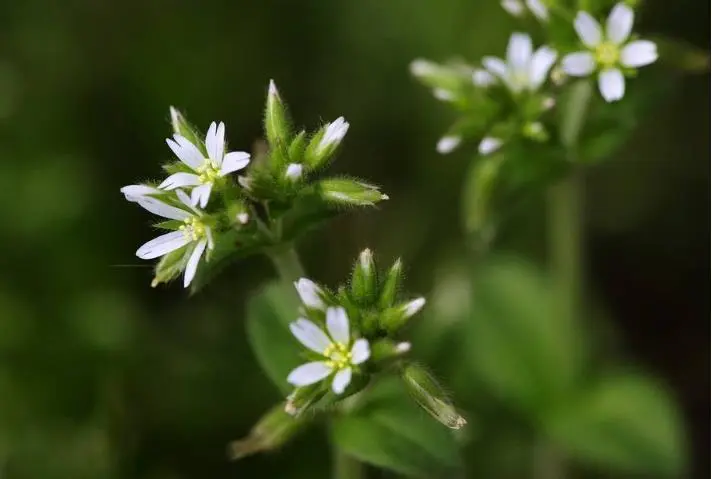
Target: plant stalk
x: 289, y: 268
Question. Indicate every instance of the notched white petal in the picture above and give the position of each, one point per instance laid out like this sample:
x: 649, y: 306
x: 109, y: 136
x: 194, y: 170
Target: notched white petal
x: 234, y: 161
x: 158, y: 207
x: 341, y: 380
x: 178, y: 180
x: 309, y: 373
x: 360, y: 351
x: 192, y: 265
x: 588, y: 29
x: 639, y: 53
x: 162, y: 245
x: 337, y: 323
x: 310, y: 335
x: 619, y: 23
x: 611, y: 84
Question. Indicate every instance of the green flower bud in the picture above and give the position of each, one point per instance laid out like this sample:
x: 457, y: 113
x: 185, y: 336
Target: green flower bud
x: 535, y: 131
x: 297, y: 147
x: 350, y: 192
x: 238, y: 213
x: 277, y: 126
x: 384, y: 350
x: 183, y: 128
x: 394, y: 318
x: 273, y: 430
x: 325, y: 142
x: 431, y: 396
x: 391, y: 284
x: 303, y: 398
x: 364, y: 280
x: 170, y: 266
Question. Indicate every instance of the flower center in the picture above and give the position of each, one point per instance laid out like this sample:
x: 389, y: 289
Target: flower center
x: 208, y: 172
x: 339, y: 356
x: 519, y: 79
x: 193, y: 228
x: 607, y: 54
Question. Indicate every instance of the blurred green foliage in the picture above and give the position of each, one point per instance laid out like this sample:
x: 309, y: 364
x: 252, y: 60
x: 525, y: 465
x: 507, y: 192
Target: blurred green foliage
x: 103, y: 377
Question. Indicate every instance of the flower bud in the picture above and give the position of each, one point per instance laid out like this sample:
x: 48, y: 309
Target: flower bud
x: 294, y: 171
x: 363, y: 280
x: 535, y: 131
x: 183, y: 128
x: 383, y: 350
x: 394, y: 318
x: 325, y: 142
x: 238, y: 212
x: 273, y: 430
x: 489, y: 145
x: 447, y: 144
x: 276, y: 119
x: 310, y: 293
x: 431, y: 396
x: 169, y: 267
x: 350, y: 192
x: 391, y: 284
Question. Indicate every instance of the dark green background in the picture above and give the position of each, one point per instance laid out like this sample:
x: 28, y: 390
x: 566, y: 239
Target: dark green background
x: 102, y: 376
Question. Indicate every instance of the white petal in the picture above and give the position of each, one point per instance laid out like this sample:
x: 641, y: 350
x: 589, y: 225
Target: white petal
x: 178, y: 180
x: 619, y: 23
x: 538, y: 8
x: 447, y: 143
x: 578, y: 64
x: 310, y: 335
x: 334, y: 133
x: 192, y: 266
x: 294, y: 171
x: 341, y: 380
x: 489, y: 144
x: 519, y: 51
x: 234, y: 161
x: 513, y: 7
x: 482, y: 78
x: 186, y: 152
x: 210, y: 139
x: 135, y: 192
x: 158, y: 207
x: 309, y: 292
x: 588, y: 29
x: 219, y: 146
x: 612, y: 84
x: 360, y: 351
x: 542, y: 61
x: 413, y: 307
x: 309, y: 373
x: 495, y: 66
x: 164, y: 244
x: 639, y: 53
x: 404, y: 347
x: 201, y: 194
x: 337, y: 323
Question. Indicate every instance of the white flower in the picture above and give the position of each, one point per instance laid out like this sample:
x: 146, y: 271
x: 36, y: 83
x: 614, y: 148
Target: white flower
x: 607, y: 53
x: 489, y: 144
x: 194, y: 234
x: 339, y: 353
x: 294, y: 171
x: 516, y: 8
x: 134, y: 193
x: 446, y: 144
x: 523, y: 70
x: 334, y: 133
x: 309, y: 293
x: 207, y: 170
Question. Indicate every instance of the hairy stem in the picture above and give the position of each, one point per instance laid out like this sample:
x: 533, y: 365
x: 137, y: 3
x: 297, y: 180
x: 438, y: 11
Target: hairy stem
x: 289, y: 268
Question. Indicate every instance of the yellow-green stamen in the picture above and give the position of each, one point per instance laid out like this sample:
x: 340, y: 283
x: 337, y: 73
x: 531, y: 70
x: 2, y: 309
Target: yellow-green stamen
x: 339, y: 356
x: 607, y: 54
x: 193, y: 228
x: 208, y: 173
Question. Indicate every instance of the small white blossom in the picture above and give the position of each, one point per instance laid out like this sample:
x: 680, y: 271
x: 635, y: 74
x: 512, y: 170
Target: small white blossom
x: 334, y: 133
x: 243, y: 218
x: 523, y: 69
x: 402, y: 348
x: 607, y: 53
x: 294, y: 171
x: 517, y: 8
x: 194, y: 234
x: 446, y: 144
x: 489, y: 144
x: 422, y: 68
x: 339, y: 353
x: 309, y: 293
x: 206, y: 170
x: 412, y: 307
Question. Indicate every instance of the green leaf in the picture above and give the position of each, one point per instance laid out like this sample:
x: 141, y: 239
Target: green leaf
x: 625, y: 422
x: 268, y: 316
x: 390, y: 431
x: 521, y: 345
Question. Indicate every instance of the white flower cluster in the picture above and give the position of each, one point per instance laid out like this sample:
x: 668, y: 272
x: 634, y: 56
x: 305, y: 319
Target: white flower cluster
x: 607, y: 53
x: 192, y: 233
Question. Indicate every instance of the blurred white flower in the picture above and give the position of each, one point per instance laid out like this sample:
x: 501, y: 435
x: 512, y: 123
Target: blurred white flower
x: 134, y: 193
x: 608, y: 52
x: 483, y: 78
x: 206, y: 170
x: 446, y: 144
x: 309, y: 293
x: 193, y: 234
x: 294, y: 171
x: 523, y: 69
x: 339, y: 353
x: 334, y: 133
x: 489, y: 145
x: 518, y: 7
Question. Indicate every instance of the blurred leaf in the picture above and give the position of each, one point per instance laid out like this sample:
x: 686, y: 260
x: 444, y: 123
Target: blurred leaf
x: 681, y: 55
x: 390, y: 431
x: 268, y: 316
x: 520, y: 343
x: 627, y: 423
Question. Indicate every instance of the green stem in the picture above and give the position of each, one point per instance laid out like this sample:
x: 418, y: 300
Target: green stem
x: 346, y: 467
x: 565, y: 213
x: 289, y: 268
